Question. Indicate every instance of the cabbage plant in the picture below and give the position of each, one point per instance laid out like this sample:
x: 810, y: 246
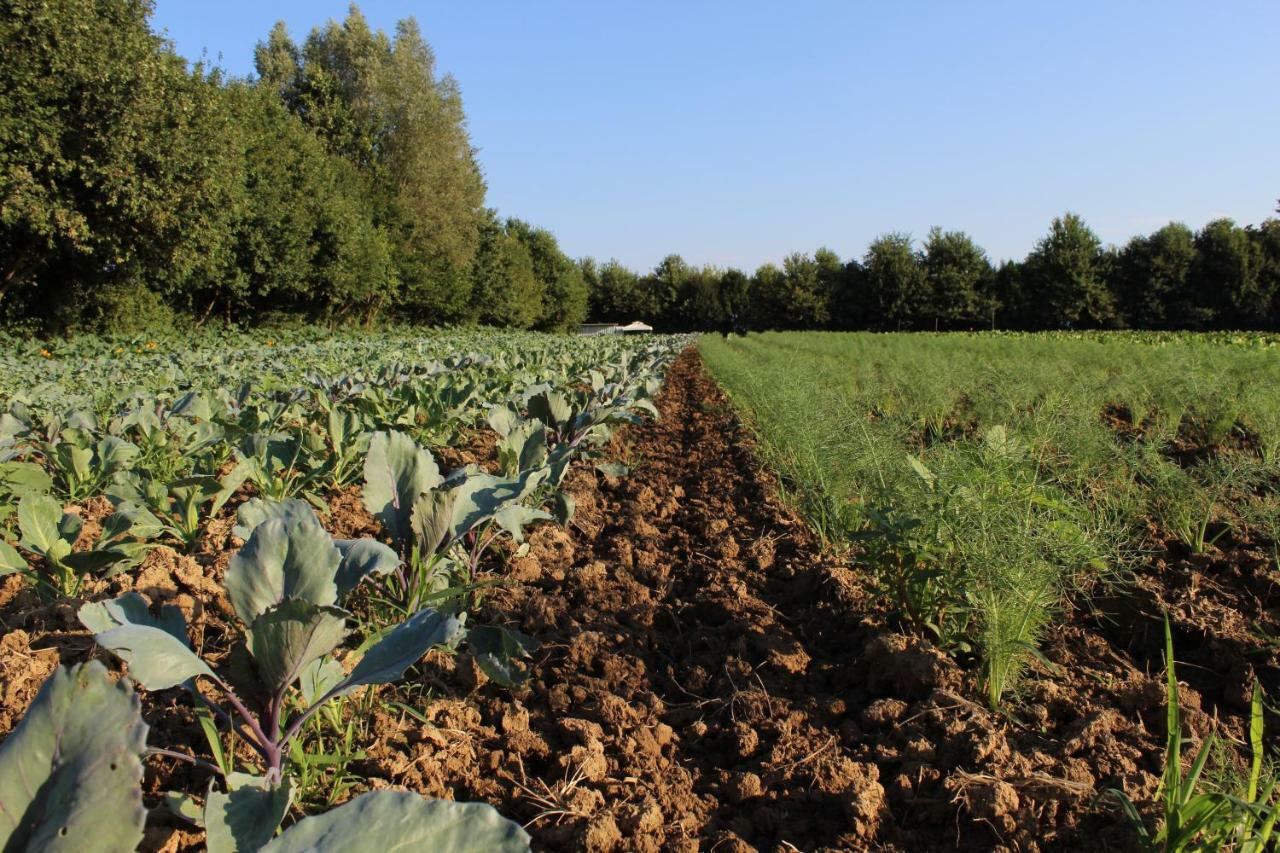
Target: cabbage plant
x: 442, y: 522
x: 81, y: 463
x: 444, y: 526
x: 175, y: 507
x: 71, y: 774
x: 285, y: 585
x: 49, y: 534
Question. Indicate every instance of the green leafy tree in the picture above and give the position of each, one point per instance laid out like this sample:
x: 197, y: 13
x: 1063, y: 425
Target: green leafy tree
x: 663, y: 287
x: 735, y: 295
x: 116, y: 172
x: 808, y: 284
x: 564, y: 304
x: 1267, y: 239
x: 894, y: 286
x: 617, y: 295
x: 768, y: 297
x: 700, y: 306
x: 848, y: 298
x: 377, y: 102
x: 1226, y: 278
x: 958, y: 277
x: 1010, y: 309
x: 1152, y: 280
x: 1063, y: 280
x: 508, y: 293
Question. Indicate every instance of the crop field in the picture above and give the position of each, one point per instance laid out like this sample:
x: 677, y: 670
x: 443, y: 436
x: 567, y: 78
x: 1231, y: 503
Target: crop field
x: 778, y: 591
x: 1027, y: 510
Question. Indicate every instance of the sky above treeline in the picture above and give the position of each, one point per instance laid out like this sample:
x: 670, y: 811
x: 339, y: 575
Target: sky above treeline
x: 734, y: 133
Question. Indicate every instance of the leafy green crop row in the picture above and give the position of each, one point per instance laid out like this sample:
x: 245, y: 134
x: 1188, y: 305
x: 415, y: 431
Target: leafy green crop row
x: 171, y: 456
x: 989, y: 480
x: 988, y: 476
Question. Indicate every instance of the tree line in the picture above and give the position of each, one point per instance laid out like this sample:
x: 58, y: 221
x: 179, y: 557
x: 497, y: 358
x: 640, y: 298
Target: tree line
x: 1223, y: 276
x: 339, y: 185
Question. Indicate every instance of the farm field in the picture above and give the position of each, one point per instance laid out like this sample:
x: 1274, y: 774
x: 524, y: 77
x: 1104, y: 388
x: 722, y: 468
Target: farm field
x: 824, y: 591
x: 1026, y: 509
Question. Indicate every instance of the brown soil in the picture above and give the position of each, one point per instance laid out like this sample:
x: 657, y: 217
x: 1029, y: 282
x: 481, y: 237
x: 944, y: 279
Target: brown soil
x: 709, y: 678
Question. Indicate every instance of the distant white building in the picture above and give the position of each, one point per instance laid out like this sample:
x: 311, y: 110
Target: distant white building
x: 613, y: 328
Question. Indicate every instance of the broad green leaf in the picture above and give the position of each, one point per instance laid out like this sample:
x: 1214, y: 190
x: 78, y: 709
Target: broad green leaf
x: 613, y: 469
x: 69, y: 527
x: 10, y: 560
x: 115, y: 454
x: 497, y: 649
x: 191, y: 405
x: 38, y: 518
x: 98, y: 561
x: 291, y: 635
x: 184, y: 807
x: 130, y: 519
x: 523, y: 447
x: 245, y: 818
x: 131, y: 608
x: 400, y: 649
x: 479, y: 496
x: 565, y: 508
x: 388, y: 821
x: 550, y: 407
x: 74, y: 459
x: 256, y: 510
x: 156, y: 659
x: 432, y: 520
x: 516, y: 517
x: 155, y: 649
x: 558, y: 464
x: 71, y: 772
x: 282, y: 561
x: 24, y: 478
x: 396, y: 471
x: 361, y: 558
x: 502, y: 419
x: 197, y: 489
x: 647, y: 406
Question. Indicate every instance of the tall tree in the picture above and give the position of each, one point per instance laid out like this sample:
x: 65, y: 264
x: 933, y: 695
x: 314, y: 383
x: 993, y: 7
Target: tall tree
x: 768, y: 298
x: 1226, y: 277
x: 1267, y: 239
x: 663, y: 287
x: 958, y: 280
x: 508, y: 293
x: 618, y: 296
x: 377, y: 102
x: 894, y: 284
x: 1063, y: 279
x: 735, y: 296
x: 115, y: 167
x: 564, y: 304
x: 1152, y: 280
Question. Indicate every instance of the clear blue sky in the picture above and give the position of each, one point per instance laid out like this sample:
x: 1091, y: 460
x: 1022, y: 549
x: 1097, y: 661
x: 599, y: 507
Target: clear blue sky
x: 736, y: 132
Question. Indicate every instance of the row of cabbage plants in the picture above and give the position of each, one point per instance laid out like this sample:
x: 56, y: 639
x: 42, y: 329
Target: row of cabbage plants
x: 172, y: 459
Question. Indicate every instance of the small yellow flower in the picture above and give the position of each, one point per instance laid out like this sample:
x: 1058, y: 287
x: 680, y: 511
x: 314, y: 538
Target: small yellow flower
x: 151, y: 344
x: 271, y: 342
x: 46, y: 353
x: 119, y: 350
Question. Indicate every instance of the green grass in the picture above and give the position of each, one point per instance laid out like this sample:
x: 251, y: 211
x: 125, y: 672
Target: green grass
x: 984, y: 477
